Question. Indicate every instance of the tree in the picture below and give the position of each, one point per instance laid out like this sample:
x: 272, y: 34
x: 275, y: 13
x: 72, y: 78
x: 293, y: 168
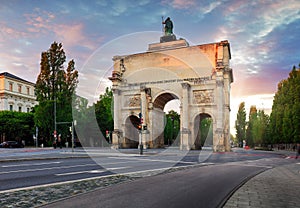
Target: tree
x: 172, y: 127
x: 16, y: 126
x: 55, y: 87
x: 250, y: 126
x: 103, y: 111
x: 206, y: 131
x: 240, y: 124
x: 285, y: 116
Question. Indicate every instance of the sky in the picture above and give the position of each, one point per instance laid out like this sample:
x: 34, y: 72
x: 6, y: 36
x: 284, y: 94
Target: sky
x: 263, y: 35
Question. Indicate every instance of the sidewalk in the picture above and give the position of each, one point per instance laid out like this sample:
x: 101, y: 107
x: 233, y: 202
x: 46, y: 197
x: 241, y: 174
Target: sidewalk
x: 277, y: 187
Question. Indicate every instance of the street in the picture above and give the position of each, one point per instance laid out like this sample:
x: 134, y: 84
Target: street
x: 21, y: 174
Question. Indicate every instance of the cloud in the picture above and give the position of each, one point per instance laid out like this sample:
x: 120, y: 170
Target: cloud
x: 39, y: 21
x: 180, y: 4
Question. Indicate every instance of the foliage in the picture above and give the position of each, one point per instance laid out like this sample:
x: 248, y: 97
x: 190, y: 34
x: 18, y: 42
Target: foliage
x: 55, y: 85
x: 16, y: 126
x: 206, y: 131
x: 285, y: 116
x: 172, y: 127
x: 240, y: 124
x: 250, y: 126
x: 103, y: 111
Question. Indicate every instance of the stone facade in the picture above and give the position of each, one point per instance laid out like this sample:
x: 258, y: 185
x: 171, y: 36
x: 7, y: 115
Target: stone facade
x: 16, y: 94
x: 199, y: 76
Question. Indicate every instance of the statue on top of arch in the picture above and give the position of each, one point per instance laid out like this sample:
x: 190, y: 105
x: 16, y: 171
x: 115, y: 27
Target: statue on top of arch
x: 168, y: 26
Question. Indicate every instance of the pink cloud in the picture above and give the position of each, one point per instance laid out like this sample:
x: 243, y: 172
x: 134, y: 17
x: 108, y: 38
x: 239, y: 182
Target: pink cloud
x: 72, y: 35
x: 180, y: 4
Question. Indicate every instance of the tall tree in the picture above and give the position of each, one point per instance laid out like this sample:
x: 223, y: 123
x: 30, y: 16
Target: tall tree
x: 103, y: 111
x: 250, y: 126
x: 55, y: 86
x: 285, y: 116
x: 240, y: 124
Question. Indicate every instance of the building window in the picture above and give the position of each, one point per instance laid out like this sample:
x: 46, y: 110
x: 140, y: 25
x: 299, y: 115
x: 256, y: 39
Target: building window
x: 20, y: 109
x: 28, y: 110
x: 10, y: 86
x: 11, y: 107
x: 28, y: 90
x: 20, y: 88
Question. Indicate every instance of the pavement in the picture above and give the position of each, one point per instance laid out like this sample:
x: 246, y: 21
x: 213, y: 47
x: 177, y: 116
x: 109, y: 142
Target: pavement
x: 276, y: 187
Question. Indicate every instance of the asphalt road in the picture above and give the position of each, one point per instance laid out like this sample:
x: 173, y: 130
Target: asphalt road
x: 28, y: 173
x: 206, y: 186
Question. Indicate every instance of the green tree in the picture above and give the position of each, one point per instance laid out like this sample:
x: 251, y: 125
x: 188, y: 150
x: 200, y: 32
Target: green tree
x: 103, y: 111
x: 172, y: 127
x: 260, y: 128
x: 240, y: 124
x: 250, y: 126
x: 285, y: 116
x: 206, y: 131
x: 55, y: 86
x: 16, y: 126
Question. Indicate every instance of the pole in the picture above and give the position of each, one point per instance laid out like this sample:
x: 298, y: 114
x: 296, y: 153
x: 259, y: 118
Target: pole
x: 140, y: 131
x: 36, y: 135
x: 72, y: 136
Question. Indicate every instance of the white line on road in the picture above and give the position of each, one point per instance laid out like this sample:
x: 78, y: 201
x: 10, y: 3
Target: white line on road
x: 32, y: 164
x: 80, y: 172
x: 90, y: 171
x: 144, y: 159
x: 52, y: 168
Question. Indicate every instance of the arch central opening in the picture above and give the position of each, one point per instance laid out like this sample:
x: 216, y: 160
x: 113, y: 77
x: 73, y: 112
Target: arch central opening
x: 203, y: 128
x: 168, y: 109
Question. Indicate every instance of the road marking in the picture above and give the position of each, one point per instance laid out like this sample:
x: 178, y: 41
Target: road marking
x: 90, y: 171
x: 144, y: 159
x: 33, y: 164
x: 80, y: 172
x: 53, y: 168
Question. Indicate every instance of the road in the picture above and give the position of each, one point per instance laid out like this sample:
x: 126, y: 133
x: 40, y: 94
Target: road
x: 22, y: 174
x: 207, y: 186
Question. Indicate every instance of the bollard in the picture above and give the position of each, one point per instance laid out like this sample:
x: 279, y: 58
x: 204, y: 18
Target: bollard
x: 141, y: 149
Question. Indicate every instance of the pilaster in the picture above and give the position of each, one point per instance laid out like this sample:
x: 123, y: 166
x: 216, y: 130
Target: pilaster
x: 184, y: 117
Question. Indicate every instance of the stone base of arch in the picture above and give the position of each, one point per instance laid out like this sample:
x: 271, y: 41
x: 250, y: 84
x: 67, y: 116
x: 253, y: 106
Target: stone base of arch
x: 185, y: 136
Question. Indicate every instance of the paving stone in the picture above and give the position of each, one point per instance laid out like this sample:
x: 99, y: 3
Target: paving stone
x: 278, y: 187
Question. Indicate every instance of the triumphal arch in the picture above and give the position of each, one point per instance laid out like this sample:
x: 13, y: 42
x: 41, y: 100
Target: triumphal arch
x: 199, y: 76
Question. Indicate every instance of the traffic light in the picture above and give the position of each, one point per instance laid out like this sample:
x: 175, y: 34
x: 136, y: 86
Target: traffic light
x: 140, y: 126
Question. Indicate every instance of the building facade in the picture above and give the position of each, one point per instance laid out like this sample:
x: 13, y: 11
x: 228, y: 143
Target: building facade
x: 16, y: 94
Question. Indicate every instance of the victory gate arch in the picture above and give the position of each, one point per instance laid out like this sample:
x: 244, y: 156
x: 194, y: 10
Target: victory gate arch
x: 199, y: 76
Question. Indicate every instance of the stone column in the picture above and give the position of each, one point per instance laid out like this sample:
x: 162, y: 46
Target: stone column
x: 184, y: 117
x: 227, y: 114
x: 117, y: 132
x: 218, y: 143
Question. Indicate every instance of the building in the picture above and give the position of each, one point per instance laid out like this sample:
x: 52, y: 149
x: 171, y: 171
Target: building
x: 198, y: 76
x: 16, y: 94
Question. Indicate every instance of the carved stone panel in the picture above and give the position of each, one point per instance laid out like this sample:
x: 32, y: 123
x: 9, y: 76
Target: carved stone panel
x: 134, y: 101
x: 203, y: 96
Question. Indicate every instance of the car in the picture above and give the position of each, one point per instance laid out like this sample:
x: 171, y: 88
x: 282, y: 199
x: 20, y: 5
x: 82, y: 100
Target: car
x: 11, y: 144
